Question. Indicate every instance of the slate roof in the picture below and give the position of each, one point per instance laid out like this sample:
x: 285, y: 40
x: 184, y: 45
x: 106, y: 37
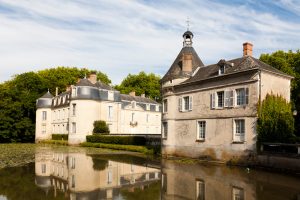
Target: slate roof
x: 125, y: 97
x: 175, y: 69
x: 98, y: 84
x: 232, y: 66
x: 47, y: 95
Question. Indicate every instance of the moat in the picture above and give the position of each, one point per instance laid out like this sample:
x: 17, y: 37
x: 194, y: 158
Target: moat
x: 85, y: 173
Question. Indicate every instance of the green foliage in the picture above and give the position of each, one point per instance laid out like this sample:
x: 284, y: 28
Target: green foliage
x: 18, y: 99
x: 288, y: 62
x: 56, y: 142
x: 275, y: 122
x: 141, y: 83
x: 109, y: 139
x: 134, y: 148
x: 100, y: 127
x: 60, y: 136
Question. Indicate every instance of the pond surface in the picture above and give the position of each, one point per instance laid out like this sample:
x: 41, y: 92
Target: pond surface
x: 82, y: 173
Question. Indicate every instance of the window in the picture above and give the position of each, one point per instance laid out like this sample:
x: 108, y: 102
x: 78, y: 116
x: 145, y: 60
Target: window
x: 73, y: 181
x: 74, y: 92
x: 73, y: 127
x: 44, y: 115
x: 147, y: 118
x: 110, y: 112
x: 74, y: 109
x: 59, y: 114
x: 72, y: 163
x: 109, y: 177
x: 165, y: 105
x: 43, y: 168
x: 133, y: 104
x: 222, y: 69
x: 220, y: 99
x: 54, y: 115
x: 110, y: 95
x: 147, y: 106
x: 44, y: 129
x: 200, y: 190
x: 157, y: 108
x: 165, y: 129
x: 239, y: 130
x: 185, y: 103
x: 237, y: 193
x: 201, y: 130
x: 242, y: 96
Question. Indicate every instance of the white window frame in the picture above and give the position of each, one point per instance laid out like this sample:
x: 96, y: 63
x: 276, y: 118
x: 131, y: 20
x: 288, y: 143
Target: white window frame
x: 110, y: 95
x: 73, y: 127
x: 147, y: 106
x: 245, y: 96
x: 44, y: 115
x: 183, y: 101
x: 200, y: 190
x: 74, y: 109
x: 239, y: 130
x: 237, y: 193
x: 201, y: 133
x: 133, y: 104
x: 222, y: 69
x: 110, y: 112
x: 44, y: 126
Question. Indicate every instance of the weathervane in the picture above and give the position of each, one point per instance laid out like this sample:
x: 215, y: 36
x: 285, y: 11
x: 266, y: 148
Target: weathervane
x: 188, y: 23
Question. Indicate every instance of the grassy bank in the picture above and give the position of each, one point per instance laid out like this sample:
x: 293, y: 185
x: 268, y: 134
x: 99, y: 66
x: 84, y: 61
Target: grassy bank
x: 134, y: 148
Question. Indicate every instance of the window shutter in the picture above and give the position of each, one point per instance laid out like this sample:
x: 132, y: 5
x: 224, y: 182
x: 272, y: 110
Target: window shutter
x: 246, y: 95
x: 213, y: 100
x: 231, y: 98
x: 180, y: 104
x: 226, y: 98
x: 190, y: 102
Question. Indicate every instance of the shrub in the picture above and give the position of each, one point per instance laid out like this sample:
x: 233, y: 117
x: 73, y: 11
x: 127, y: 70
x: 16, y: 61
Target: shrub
x: 100, y: 127
x: 125, y: 140
x: 60, y: 136
x: 276, y: 121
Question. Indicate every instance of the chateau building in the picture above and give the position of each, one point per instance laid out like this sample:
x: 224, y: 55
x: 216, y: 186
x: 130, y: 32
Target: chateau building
x: 73, y: 112
x: 211, y: 111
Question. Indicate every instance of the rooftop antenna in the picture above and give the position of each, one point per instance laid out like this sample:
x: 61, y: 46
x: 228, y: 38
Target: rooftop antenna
x: 188, y: 23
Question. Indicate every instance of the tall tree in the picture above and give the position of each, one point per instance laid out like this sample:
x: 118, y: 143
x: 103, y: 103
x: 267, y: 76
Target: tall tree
x: 141, y: 83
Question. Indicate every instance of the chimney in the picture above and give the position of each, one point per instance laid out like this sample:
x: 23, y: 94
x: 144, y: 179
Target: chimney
x: 247, y: 49
x: 132, y: 93
x: 56, y: 91
x: 187, y: 62
x: 143, y: 95
x: 93, y: 77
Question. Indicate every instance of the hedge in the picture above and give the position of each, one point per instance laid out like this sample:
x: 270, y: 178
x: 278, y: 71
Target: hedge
x: 140, y: 149
x: 59, y: 136
x: 124, y: 140
x: 59, y: 142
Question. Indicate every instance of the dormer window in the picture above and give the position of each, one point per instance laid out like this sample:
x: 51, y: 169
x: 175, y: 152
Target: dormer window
x: 133, y: 103
x: 221, y: 69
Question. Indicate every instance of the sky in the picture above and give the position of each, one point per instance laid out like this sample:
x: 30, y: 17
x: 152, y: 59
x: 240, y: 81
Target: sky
x: 118, y: 37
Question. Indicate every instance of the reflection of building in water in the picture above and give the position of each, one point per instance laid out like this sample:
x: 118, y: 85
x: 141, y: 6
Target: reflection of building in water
x: 194, y: 181
x: 79, y: 175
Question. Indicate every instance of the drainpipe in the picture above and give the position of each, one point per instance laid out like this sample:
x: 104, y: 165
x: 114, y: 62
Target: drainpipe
x: 259, y: 92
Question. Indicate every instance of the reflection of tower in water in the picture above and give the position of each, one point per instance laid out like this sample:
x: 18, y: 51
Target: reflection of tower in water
x: 78, y: 175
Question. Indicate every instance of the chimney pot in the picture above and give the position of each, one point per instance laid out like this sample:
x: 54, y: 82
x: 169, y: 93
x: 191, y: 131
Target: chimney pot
x: 247, y: 49
x: 132, y: 93
x: 93, y: 77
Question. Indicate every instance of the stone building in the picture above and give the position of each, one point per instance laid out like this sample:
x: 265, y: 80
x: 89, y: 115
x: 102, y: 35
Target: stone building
x: 211, y: 111
x: 73, y: 112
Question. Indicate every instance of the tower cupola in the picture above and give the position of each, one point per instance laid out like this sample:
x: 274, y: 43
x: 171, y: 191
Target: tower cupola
x: 188, y: 39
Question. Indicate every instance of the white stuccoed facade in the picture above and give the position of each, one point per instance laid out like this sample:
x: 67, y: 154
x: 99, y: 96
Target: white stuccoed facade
x: 74, y: 112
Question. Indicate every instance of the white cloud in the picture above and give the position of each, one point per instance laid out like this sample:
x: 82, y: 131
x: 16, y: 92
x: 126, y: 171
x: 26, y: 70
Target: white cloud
x: 121, y: 37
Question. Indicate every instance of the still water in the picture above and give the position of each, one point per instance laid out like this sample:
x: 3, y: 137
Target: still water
x: 63, y: 174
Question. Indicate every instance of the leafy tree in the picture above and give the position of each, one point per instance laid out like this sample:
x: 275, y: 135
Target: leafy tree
x: 288, y: 62
x: 100, y: 127
x: 276, y: 121
x: 141, y: 83
x: 18, y: 99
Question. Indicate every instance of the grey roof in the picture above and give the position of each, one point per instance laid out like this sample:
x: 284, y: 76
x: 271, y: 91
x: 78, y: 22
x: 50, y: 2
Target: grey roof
x: 47, y: 95
x: 232, y: 66
x: 125, y: 97
x: 175, y: 69
x: 98, y: 84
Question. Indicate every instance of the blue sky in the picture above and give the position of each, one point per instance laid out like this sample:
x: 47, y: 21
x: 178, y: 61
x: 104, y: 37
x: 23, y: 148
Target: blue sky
x: 129, y: 36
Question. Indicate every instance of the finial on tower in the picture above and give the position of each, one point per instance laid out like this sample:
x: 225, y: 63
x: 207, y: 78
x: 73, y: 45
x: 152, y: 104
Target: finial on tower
x: 188, y: 23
